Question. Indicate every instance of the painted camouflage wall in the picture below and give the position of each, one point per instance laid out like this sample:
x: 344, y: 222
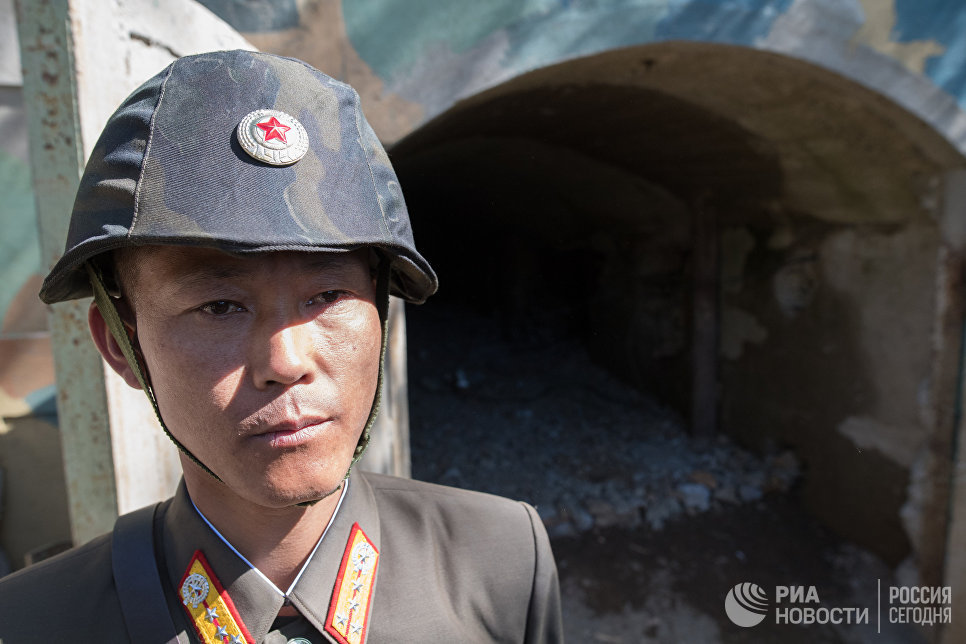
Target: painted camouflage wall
x: 414, y: 59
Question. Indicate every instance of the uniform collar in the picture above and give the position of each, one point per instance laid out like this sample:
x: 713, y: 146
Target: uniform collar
x: 313, y: 592
x: 257, y: 602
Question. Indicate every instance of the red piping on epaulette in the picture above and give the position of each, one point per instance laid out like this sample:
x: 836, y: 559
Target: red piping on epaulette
x: 222, y: 594
x: 366, y: 582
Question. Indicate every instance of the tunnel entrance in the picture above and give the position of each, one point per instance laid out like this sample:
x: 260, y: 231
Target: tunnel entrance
x: 724, y: 243
x: 577, y: 205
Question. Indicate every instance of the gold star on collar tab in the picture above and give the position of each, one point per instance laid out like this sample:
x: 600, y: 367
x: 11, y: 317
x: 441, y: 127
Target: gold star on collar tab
x: 273, y: 137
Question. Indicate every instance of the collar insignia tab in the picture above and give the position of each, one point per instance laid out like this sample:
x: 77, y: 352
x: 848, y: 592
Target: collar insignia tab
x: 273, y: 137
x: 351, y: 598
x: 209, y: 607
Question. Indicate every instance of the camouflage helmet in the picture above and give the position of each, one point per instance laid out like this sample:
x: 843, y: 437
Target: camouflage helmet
x: 176, y: 165
x: 244, y: 152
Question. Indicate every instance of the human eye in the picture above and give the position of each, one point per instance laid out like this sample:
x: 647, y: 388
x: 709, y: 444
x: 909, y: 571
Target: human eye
x: 326, y: 297
x: 221, y: 308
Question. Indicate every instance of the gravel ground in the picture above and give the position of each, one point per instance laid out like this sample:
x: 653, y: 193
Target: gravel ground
x: 650, y: 528
x: 541, y: 422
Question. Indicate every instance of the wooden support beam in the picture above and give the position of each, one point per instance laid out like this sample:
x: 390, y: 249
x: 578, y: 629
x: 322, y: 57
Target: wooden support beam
x: 705, y: 321
x: 944, y: 514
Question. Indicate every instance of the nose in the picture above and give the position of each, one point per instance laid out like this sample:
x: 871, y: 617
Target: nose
x: 282, y: 356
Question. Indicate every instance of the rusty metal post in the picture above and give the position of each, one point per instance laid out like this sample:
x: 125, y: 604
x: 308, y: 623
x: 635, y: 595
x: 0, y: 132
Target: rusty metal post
x: 56, y: 160
x: 704, y: 325
x: 81, y: 58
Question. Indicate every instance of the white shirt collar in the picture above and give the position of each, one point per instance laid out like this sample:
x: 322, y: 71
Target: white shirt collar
x: 259, y: 572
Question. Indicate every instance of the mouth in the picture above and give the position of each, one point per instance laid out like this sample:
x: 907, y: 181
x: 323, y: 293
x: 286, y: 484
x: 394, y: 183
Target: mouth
x: 292, y: 433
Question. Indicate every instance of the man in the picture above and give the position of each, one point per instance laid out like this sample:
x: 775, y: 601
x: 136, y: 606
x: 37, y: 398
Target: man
x: 241, y: 229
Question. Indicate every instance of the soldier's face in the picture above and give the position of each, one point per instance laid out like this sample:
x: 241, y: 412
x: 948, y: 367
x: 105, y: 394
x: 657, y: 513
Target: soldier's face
x: 264, y: 366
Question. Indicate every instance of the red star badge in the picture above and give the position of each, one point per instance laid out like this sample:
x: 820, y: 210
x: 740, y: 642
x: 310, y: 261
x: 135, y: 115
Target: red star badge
x: 274, y: 129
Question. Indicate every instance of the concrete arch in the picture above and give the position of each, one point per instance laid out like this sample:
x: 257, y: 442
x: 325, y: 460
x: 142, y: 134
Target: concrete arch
x: 829, y: 210
x: 911, y: 52
x: 812, y: 124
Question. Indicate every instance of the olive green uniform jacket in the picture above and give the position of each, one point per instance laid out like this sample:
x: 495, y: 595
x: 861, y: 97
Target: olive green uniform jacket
x: 454, y: 566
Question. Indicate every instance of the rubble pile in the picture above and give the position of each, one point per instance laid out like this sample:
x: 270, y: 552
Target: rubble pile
x: 540, y: 422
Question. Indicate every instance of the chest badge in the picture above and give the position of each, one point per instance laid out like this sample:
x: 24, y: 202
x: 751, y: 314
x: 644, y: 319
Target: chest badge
x: 348, y: 616
x: 273, y: 137
x: 209, y: 607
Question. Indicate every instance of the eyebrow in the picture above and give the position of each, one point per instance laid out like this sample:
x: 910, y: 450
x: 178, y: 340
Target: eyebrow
x: 209, y: 273
x: 220, y: 272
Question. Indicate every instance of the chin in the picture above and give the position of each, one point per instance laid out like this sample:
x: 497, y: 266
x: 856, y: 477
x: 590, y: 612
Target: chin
x: 303, y: 495
x: 292, y: 490
x: 280, y: 482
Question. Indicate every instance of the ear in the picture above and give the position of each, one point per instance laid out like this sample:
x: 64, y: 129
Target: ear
x: 108, y: 346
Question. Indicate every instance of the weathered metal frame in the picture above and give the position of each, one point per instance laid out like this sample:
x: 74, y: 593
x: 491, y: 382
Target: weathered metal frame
x: 56, y: 162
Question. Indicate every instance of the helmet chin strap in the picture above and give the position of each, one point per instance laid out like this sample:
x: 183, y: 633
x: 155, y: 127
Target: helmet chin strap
x: 112, y: 318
